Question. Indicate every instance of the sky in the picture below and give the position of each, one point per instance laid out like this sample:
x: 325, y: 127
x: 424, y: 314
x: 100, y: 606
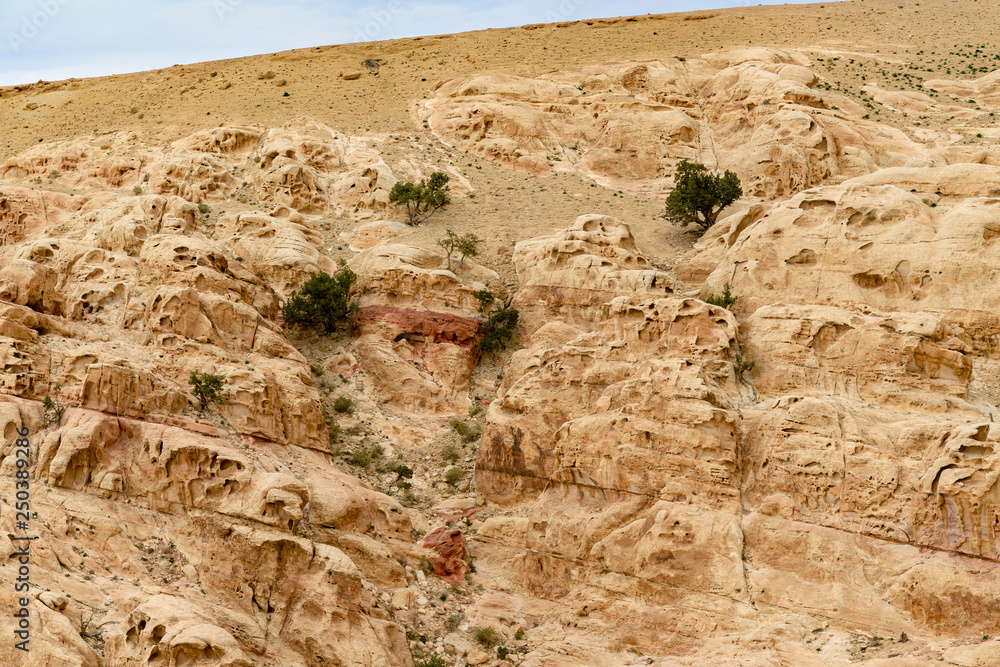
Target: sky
x: 60, y: 39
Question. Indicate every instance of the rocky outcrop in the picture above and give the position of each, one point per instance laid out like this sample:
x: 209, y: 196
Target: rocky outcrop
x: 762, y: 113
x: 161, y: 542
x: 566, y: 277
x: 166, y: 533
x: 887, y: 240
x: 847, y: 476
x: 418, y: 324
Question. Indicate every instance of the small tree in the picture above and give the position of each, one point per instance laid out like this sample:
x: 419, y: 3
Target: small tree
x: 699, y: 195
x: 53, y: 408
x: 323, y: 301
x: 725, y: 300
x: 486, y: 299
x: 467, y: 245
x: 207, y: 388
x: 423, y: 200
x: 498, y: 330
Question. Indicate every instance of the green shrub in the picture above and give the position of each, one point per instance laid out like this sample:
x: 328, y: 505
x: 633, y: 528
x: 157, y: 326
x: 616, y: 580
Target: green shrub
x: 486, y: 298
x: 453, y: 474
x: 402, y: 470
x: 323, y: 302
x: 364, y: 457
x: 423, y: 200
x: 742, y: 363
x: 726, y: 300
x: 431, y: 661
x: 487, y: 637
x: 450, y: 454
x: 204, y: 209
x: 498, y: 330
x: 207, y: 388
x: 343, y: 405
x: 467, y: 433
x: 137, y: 190
x: 699, y: 196
x: 53, y: 408
x: 332, y: 430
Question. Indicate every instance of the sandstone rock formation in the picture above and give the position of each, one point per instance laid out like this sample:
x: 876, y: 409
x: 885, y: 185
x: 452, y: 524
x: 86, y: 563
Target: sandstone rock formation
x: 569, y: 275
x: 807, y: 477
x: 759, y: 112
x: 418, y: 326
x: 166, y: 535
x: 847, y: 478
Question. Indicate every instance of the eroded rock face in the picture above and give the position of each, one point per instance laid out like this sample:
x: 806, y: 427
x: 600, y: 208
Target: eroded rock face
x: 172, y: 535
x: 848, y: 477
x: 184, y: 547
x: 870, y: 240
x: 760, y: 112
x: 418, y: 325
x: 568, y: 276
x: 303, y: 166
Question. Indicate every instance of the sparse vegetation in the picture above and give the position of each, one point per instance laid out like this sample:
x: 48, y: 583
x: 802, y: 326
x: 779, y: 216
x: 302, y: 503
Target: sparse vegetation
x: 466, y: 246
x: 498, y: 330
x: 487, y: 637
x: 423, y: 200
x: 452, y: 475
x: 466, y: 432
x: 450, y: 454
x: 402, y: 472
x: 364, y: 456
x: 207, y: 388
x: 486, y: 299
x: 204, y: 209
x: 332, y: 429
x: 53, y: 408
x: 725, y: 300
x: 323, y: 302
x: 431, y: 661
x: 742, y: 363
x: 137, y: 190
x: 343, y: 405
x: 699, y: 195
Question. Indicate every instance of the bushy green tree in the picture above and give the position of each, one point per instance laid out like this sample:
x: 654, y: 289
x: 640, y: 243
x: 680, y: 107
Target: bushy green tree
x: 207, y: 388
x: 699, y: 195
x: 323, y: 302
x: 486, y: 299
x: 498, y: 330
x: 423, y: 200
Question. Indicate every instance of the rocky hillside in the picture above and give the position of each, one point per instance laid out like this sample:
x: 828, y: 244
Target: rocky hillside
x: 648, y: 475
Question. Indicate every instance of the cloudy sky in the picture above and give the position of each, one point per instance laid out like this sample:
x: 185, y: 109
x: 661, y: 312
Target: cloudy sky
x: 58, y: 39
